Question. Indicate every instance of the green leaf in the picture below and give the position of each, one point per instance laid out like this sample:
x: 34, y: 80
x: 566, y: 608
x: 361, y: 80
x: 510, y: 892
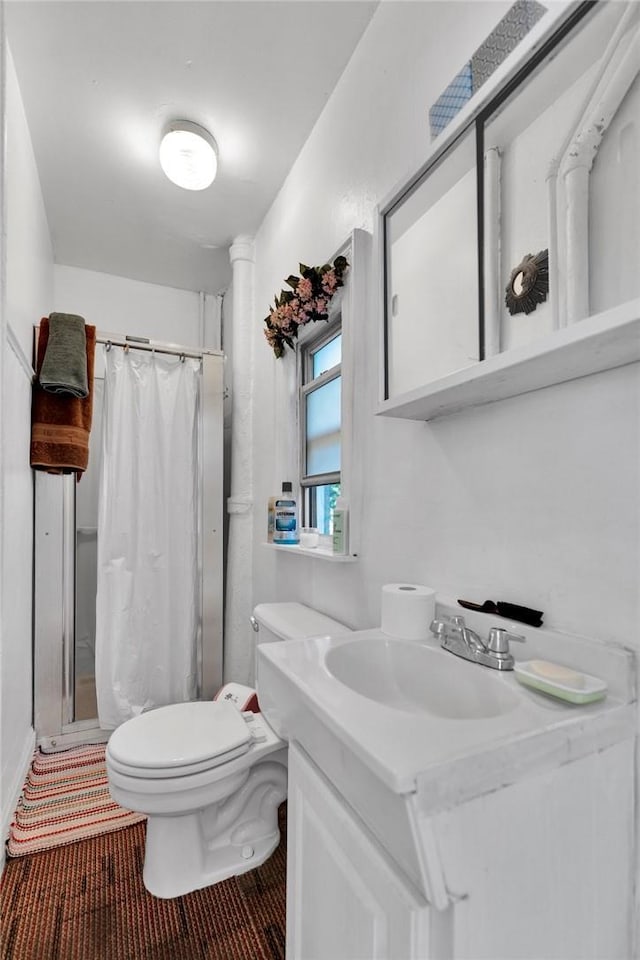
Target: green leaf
x: 293, y: 281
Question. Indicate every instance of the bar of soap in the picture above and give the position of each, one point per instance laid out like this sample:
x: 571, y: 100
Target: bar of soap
x: 556, y: 673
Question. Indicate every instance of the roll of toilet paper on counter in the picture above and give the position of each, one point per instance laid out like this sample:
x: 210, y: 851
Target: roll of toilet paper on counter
x: 407, y: 610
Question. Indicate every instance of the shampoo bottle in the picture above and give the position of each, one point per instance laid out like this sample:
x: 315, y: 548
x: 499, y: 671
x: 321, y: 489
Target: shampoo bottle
x: 341, y: 526
x: 286, y: 517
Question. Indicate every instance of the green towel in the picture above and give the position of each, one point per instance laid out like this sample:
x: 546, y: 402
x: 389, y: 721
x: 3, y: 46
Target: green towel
x: 64, y: 368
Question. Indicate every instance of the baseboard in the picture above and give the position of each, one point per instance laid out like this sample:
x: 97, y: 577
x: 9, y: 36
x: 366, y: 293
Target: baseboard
x: 15, y: 790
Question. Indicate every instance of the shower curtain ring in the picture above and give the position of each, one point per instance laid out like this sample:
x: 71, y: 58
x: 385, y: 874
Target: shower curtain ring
x: 126, y: 348
x: 109, y: 345
x: 182, y: 358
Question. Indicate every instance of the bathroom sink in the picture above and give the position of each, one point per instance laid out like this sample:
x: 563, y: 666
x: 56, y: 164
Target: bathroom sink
x: 410, y: 676
x: 421, y: 719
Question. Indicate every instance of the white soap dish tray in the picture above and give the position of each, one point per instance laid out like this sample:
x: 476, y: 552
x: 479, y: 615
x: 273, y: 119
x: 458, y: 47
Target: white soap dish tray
x: 560, y: 682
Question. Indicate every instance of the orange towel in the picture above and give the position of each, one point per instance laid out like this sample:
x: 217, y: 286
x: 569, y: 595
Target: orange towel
x: 60, y: 425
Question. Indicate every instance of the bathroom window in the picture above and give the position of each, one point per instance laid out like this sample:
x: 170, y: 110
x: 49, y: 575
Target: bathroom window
x: 320, y: 400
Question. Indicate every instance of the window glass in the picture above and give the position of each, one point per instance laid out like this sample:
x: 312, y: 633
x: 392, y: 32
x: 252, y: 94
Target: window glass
x: 327, y: 356
x: 323, y: 428
x: 322, y: 500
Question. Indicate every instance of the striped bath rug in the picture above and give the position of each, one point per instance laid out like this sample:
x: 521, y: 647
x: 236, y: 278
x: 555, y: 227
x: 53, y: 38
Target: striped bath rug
x: 66, y: 798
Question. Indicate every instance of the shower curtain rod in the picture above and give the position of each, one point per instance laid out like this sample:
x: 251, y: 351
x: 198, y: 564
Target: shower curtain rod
x: 143, y: 343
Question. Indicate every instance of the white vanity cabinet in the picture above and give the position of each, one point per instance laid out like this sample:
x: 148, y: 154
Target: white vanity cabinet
x: 415, y: 834
x: 513, y: 864
x: 346, y: 900
x: 450, y: 830
x: 543, y: 868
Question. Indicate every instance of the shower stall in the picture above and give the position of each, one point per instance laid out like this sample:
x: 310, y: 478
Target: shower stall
x: 68, y: 518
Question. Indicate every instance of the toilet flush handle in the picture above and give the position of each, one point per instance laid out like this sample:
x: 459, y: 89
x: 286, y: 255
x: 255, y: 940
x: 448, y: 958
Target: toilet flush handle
x: 254, y: 623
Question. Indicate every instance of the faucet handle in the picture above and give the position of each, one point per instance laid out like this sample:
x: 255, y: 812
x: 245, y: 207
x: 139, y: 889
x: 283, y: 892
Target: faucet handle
x: 441, y: 626
x: 499, y: 639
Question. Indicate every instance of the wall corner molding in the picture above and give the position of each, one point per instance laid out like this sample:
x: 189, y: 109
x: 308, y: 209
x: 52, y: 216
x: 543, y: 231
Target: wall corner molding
x: 18, y: 350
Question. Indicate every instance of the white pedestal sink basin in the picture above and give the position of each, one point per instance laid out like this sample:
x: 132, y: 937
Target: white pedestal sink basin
x: 413, y: 677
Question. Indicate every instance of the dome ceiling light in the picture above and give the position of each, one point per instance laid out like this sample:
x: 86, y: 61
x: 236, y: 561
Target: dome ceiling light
x: 189, y: 155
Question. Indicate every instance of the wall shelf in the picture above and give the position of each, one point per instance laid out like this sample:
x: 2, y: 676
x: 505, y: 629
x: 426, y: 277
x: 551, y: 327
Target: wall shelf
x: 316, y: 553
x: 601, y: 342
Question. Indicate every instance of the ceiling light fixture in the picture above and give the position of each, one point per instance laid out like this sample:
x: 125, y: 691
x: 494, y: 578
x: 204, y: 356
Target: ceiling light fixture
x: 189, y: 155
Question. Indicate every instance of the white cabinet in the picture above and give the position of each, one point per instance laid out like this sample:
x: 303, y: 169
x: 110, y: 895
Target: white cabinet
x: 539, y: 869
x: 414, y: 836
x: 542, y: 868
x: 552, y: 136
x: 345, y: 898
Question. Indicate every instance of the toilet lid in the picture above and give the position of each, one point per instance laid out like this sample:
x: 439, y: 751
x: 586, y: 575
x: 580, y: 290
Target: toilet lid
x: 181, y: 735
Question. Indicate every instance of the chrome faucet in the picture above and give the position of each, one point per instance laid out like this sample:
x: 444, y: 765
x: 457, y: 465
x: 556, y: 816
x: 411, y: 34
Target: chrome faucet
x: 464, y: 642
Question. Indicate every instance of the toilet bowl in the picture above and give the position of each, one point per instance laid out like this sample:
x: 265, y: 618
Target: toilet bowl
x: 209, y: 777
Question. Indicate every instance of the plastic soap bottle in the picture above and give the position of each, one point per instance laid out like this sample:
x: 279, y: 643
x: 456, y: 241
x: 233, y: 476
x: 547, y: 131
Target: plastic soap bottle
x: 341, y: 526
x: 286, y: 517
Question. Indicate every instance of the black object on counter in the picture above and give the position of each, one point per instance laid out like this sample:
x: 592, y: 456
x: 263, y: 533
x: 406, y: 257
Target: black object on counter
x: 509, y: 610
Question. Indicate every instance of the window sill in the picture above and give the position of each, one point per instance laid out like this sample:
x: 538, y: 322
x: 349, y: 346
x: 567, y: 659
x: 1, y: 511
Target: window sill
x: 317, y: 553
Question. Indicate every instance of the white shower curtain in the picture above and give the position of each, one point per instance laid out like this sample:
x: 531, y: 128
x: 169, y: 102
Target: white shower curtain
x: 147, y: 619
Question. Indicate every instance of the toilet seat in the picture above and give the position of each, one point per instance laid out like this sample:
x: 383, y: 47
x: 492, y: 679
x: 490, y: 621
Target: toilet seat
x: 179, y: 740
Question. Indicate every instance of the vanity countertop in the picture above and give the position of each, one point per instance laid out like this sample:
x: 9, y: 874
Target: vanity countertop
x: 447, y: 759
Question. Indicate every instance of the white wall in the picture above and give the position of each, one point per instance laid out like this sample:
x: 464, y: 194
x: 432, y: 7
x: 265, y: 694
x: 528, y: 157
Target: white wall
x: 514, y: 501
x: 121, y: 306
x: 27, y: 295
x: 532, y: 500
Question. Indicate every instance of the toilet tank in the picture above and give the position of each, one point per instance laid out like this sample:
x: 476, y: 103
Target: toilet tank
x: 292, y: 621
x: 287, y: 621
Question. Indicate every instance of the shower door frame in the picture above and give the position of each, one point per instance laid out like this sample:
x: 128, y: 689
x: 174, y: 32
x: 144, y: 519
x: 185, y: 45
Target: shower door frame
x: 54, y: 579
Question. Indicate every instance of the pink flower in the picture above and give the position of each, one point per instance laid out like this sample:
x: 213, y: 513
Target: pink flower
x: 293, y: 309
x: 304, y: 288
x: 329, y: 282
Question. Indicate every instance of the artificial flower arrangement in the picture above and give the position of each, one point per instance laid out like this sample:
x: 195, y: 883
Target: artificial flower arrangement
x: 308, y: 300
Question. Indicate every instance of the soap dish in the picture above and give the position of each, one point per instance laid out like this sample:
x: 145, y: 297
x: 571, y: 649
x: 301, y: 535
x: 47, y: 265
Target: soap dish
x: 559, y: 681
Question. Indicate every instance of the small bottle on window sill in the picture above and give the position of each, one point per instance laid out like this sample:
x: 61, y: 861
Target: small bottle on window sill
x: 341, y: 527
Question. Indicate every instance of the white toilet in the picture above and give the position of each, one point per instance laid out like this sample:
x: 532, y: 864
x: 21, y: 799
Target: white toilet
x: 209, y: 777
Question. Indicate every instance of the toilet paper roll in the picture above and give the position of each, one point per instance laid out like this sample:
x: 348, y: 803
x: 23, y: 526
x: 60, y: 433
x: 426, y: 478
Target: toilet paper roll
x: 407, y: 610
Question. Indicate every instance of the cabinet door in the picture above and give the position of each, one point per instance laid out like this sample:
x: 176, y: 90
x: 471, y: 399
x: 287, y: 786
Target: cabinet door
x: 345, y: 899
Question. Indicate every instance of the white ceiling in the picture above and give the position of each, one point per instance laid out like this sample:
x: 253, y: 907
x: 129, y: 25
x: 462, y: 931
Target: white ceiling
x: 100, y: 79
